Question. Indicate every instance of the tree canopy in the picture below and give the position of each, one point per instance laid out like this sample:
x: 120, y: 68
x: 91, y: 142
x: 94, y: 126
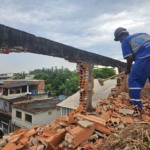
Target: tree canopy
x: 21, y: 75
x: 103, y: 73
x: 63, y: 81
x: 58, y: 81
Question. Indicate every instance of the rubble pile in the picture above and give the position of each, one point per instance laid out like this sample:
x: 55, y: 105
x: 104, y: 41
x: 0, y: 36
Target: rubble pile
x: 83, y: 130
x: 133, y: 137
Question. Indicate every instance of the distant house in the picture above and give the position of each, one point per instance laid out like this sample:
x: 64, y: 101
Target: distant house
x: 17, y: 90
x: 38, y: 112
x: 72, y: 102
x: 29, y: 76
x: 6, y: 76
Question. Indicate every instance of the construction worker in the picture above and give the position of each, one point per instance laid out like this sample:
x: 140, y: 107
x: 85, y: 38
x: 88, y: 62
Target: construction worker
x: 135, y: 48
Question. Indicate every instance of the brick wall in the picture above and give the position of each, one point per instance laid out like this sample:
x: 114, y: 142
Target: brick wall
x: 41, y: 85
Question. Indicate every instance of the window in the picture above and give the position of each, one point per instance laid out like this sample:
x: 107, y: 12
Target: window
x: 28, y: 118
x: 18, y: 114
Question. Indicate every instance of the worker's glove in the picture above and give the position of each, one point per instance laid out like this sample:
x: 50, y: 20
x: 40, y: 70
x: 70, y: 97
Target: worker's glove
x: 127, y: 71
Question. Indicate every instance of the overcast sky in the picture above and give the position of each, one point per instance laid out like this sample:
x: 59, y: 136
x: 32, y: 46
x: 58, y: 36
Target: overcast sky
x: 85, y: 24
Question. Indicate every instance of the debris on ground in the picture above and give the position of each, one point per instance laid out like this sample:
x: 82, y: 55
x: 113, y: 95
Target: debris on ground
x: 133, y: 137
x: 114, y: 120
x: 114, y: 124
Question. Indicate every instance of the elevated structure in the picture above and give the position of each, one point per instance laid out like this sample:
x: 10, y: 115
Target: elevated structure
x: 13, y: 40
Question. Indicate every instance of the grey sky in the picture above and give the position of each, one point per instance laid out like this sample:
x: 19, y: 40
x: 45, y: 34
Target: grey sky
x: 85, y: 24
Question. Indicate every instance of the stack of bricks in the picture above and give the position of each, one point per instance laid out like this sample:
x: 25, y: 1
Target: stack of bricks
x: 83, y: 70
x: 121, y: 86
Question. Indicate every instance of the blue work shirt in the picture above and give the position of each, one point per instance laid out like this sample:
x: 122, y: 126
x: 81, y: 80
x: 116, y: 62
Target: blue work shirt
x: 137, y: 45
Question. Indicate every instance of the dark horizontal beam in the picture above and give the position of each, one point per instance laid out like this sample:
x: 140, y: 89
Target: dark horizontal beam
x: 15, y: 39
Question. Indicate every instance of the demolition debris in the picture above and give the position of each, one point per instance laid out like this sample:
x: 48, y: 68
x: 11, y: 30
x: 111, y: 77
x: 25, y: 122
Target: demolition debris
x: 82, y: 130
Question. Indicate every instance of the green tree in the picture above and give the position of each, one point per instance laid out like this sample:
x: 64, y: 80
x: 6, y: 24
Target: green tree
x: 40, y: 75
x: 104, y: 73
x: 72, y: 85
x: 50, y: 90
x: 58, y: 81
x: 21, y: 75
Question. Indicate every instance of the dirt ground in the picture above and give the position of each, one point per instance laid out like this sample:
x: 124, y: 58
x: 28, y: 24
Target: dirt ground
x: 133, y: 137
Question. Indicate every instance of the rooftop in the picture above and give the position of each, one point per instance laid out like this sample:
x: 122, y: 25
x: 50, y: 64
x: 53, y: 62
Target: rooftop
x: 72, y: 101
x: 18, y: 84
x: 38, y: 105
x: 20, y: 98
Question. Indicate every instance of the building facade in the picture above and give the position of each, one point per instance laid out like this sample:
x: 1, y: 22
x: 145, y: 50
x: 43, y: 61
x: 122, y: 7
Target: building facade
x: 38, y: 112
x: 18, y: 90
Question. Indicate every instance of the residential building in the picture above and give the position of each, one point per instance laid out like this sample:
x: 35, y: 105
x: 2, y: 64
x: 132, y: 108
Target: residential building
x: 37, y: 112
x: 17, y: 90
x: 6, y: 76
x: 29, y: 76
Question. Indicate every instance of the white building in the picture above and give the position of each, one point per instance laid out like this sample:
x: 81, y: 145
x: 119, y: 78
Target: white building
x: 38, y: 112
x: 6, y: 76
x: 16, y: 90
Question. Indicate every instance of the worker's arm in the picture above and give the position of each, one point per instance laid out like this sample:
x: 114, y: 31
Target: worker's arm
x: 129, y: 64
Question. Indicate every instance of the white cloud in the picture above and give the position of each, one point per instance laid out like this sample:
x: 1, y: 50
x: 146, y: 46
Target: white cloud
x: 88, y: 25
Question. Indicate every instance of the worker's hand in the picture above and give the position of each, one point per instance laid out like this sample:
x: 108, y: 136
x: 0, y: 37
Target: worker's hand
x: 127, y: 71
